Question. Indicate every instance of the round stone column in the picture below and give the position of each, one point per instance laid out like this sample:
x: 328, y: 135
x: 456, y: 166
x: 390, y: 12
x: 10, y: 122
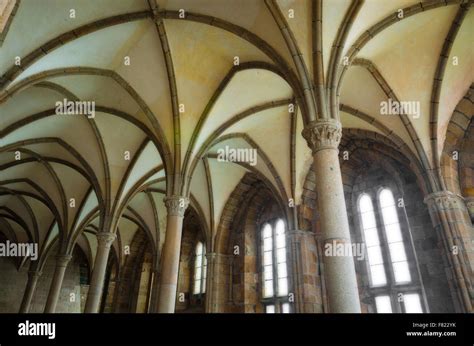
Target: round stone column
x: 176, y: 206
x: 450, y: 218
x: 33, y: 276
x: 104, y: 242
x: 323, y: 137
x: 155, y: 286
x: 55, y: 288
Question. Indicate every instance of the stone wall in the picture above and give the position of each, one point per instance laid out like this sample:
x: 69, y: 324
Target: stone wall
x: 427, y: 247
x: 13, y: 284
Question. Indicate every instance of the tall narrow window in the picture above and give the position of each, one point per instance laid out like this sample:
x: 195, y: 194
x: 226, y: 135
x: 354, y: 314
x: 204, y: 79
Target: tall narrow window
x: 374, y: 251
x: 200, y: 272
x: 394, y: 237
x: 274, y: 267
x: 389, y: 270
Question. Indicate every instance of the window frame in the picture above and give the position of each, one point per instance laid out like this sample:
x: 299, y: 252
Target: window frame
x: 275, y: 300
x: 391, y: 288
x: 203, y: 268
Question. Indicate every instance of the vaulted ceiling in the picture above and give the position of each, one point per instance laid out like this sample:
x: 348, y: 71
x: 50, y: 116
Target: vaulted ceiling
x: 174, y: 81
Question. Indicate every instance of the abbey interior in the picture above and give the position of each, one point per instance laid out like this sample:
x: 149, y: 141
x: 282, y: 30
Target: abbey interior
x: 236, y: 156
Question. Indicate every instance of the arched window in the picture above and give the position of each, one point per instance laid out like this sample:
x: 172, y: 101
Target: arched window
x: 391, y: 282
x: 394, y: 237
x: 200, y: 272
x: 372, y: 242
x: 274, y: 267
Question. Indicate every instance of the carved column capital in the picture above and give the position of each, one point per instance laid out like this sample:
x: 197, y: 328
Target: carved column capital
x: 323, y: 134
x: 444, y: 200
x: 176, y: 205
x: 105, y: 239
x: 62, y: 260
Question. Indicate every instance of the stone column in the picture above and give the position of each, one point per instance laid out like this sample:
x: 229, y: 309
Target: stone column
x: 306, y: 283
x: 451, y: 220
x: 176, y: 206
x: 115, y: 301
x: 217, y: 282
x: 294, y: 246
x: 155, y: 286
x: 323, y: 137
x: 104, y: 242
x: 33, y: 276
x: 55, y: 288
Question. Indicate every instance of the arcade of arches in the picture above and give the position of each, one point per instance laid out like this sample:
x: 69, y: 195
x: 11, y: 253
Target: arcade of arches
x: 260, y: 156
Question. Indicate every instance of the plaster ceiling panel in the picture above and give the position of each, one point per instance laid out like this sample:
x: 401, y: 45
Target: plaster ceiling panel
x: 142, y: 205
x: 251, y: 15
x: 372, y: 12
x: 7, y: 157
x: 161, y: 186
x: 202, y: 57
x: 17, y: 206
x: 360, y: 90
x: 52, y: 235
x: 241, y: 143
x: 87, y: 206
x: 350, y: 121
x: 104, y: 91
x: 95, y: 222
x: 21, y: 187
x: 225, y: 177
x: 74, y: 186
x: 148, y: 76
x: 26, y: 103
x: 53, y: 150
x: 272, y: 124
x: 247, y: 89
x: 40, y: 21
x: 5, y: 198
x: 333, y: 14
x: 119, y: 137
x: 92, y: 239
x: 90, y: 50
x: 38, y: 174
x: 21, y: 235
x: 72, y: 129
x: 457, y: 78
x: 157, y: 176
x: 127, y: 231
x: 200, y: 191
x: 297, y: 14
x: 149, y: 159
x: 407, y: 55
x: 303, y: 159
x: 43, y: 217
